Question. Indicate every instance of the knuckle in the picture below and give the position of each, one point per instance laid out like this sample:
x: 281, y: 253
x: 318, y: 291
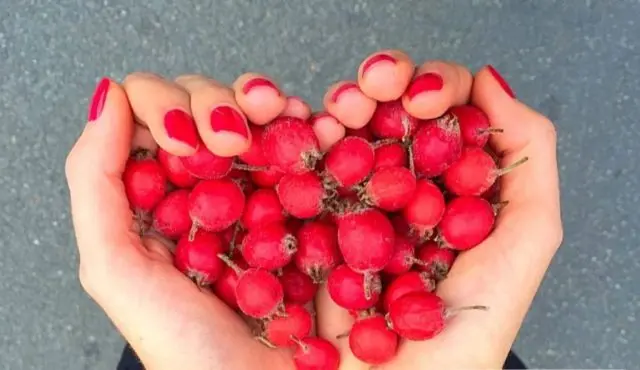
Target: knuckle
x: 87, y: 279
x: 72, y: 163
x: 546, y: 130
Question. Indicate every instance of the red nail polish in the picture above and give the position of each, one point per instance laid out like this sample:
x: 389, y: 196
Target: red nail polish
x: 180, y: 126
x: 99, y: 98
x: 258, y: 82
x: 341, y: 89
x: 225, y: 118
x: 503, y: 83
x: 424, y: 83
x: 377, y: 59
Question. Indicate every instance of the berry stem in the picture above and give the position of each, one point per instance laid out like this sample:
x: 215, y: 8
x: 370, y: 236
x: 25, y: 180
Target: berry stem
x: 368, y: 282
x: 384, y: 142
x: 265, y: 341
x: 193, y: 231
x: 450, y: 312
x: 234, y: 236
x: 227, y: 260
x: 297, y: 341
x: 499, y: 206
x: 490, y: 130
x: 246, y: 167
x: 412, y: 165
x: 511, y: 167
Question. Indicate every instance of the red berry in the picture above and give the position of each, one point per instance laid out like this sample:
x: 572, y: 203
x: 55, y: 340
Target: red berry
x: 296, y: 322
x: 475, y: 172
x: 215, y: 205
x: 403, y: 256
x: 225, y: 286
x: 317, y: 249
x: 466, y: 223
x: 171, y: 215
x: 390, y: 188
x: 315, y: 353
x: 267, y: 179
x: 290, y: 145
x: 366, y: 240
x: 175, y: 170
x: 436, y: 145
x: 417, y: 316
x: 392, y: 121
x: 205, y: 165
x: 198, y: 258
x: 298, y: 287
x: 390, y: 155
x: 409, y: 282
x: 352, y: 290
x: 144, y: 182
x: 474, y: 125
x: 269, y: 246
x: 259, y: 293
x: 349, y: 161
x: 426, y: 208
x: 262, y: 207
x: 434, y: 260
x: 371, y: 341
x: 254, y: 156
x: 301, y: 195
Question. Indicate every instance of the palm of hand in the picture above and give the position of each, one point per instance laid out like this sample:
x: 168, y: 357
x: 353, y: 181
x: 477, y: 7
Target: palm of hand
x: 173, y: 324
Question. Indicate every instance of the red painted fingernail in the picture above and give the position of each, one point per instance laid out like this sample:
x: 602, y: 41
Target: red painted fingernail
x: 258, y: 82
x: 225, y: 118
x: 345, y: 87
x: 424, y: 83
x: 377, y: 59
x: 501, y: 81
x: 180, y: 126
x: 98, y: 99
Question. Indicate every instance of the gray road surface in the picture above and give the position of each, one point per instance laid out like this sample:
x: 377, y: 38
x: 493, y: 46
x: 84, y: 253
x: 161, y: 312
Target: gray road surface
x: 577, y: 61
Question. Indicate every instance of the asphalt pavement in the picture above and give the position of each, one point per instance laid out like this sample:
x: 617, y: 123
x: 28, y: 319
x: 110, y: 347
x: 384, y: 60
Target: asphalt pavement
x: 576, y: 61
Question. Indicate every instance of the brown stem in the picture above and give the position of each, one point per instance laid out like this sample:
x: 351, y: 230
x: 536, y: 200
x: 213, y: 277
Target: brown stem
x: 193, y: 231
x: 490, y: 130
x: 511, y: 167
x: 384, y: 142
x: 412, y: 164
x: 234, y: 236
x: 294, y: 339
x: 246, y: 167
x: 499, y: 205
x: 227, y: 260
x: 449, y: 312
x: 265, y: 341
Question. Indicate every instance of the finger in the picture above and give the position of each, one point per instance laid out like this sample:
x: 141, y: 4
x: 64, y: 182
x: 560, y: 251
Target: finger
x: 220, y: 121
x: 348, y: 104
x: 328, y: 130
x: 296, y: 107
x: 164, y: 108
x: 100, y: 211
x: 385, y: 75
x: 526, y: 133
x: 259, y: 97
x: 505, y: 271
x: 436, y: 87
x: 333, y: 323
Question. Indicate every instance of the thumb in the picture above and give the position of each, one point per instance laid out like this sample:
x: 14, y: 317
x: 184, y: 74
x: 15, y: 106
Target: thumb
x: 94, y: 167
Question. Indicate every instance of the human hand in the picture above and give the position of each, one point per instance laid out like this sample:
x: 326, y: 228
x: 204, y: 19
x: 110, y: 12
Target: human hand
x: 169, y: 322
x: 506, y: 270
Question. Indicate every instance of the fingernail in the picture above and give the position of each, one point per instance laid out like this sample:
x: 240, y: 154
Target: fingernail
x: 424, y: 83
x: 180, y: 126
x: 377, y: 59
x: 98, y: 99
x: 225, y: 118
x: 503, y: 83
x: 345, y: 87
x: 259, y: 82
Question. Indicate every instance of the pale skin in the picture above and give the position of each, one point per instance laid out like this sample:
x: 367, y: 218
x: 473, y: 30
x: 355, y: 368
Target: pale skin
x: 172, y: 324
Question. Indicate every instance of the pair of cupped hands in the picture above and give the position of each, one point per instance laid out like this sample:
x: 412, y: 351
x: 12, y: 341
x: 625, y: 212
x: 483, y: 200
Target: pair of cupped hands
x: 172, y: 324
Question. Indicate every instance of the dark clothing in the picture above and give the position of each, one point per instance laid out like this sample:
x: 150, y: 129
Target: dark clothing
x: 129, y: 361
